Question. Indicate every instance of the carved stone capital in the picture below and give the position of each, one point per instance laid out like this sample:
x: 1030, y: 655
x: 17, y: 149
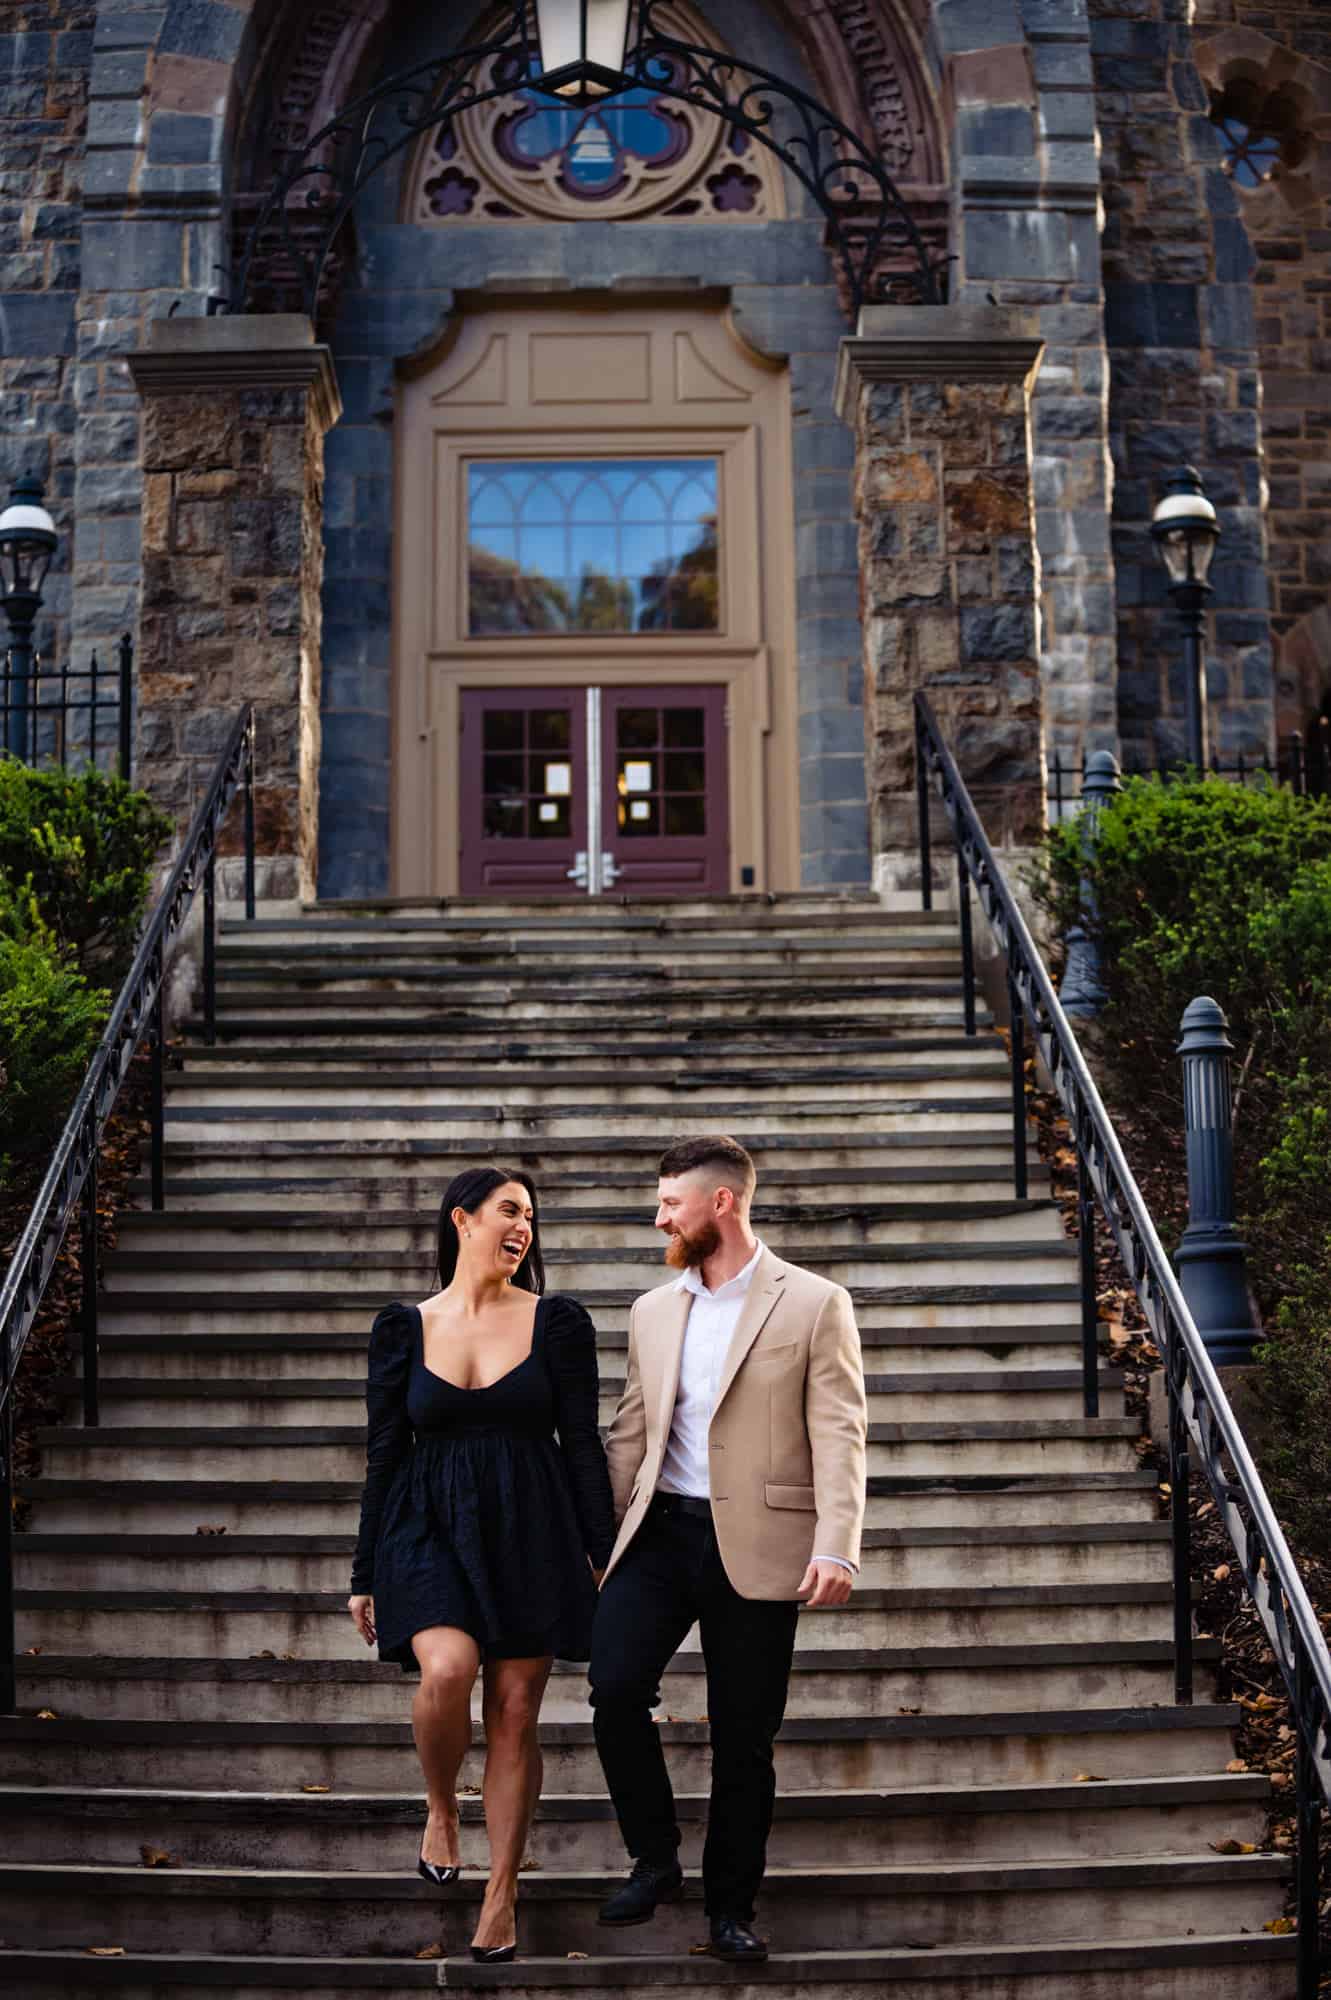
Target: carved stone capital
x: 956, y: 343
x: 239, y: 351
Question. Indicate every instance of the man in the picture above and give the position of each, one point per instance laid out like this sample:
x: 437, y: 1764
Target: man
x: 737, y: 1461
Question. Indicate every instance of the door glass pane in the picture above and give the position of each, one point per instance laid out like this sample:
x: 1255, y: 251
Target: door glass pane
x: 504, y: 774
x: 549, y: 819
x: 686, y: 815
x: 504, y: 819
x: 636, y: 728
x: 502, y: 729
x: 548, y: 729
x: 592, y: 545
x: 683, y: 728
x: 684, y: 771
x: 638, y: 816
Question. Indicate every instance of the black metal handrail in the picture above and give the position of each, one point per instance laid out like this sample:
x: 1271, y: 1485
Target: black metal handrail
x: 71, y: 1178
x: 1200, y: 1413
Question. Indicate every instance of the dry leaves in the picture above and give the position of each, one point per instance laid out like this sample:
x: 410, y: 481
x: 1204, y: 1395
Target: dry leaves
x: 31, y: 1652
x: 104, y: 1951
x: 157, y: 1857
x: 1232, y: 1846
x: 316, y: 1788
x: 208, y: 1528
x: 1088, y: 1778
x: 1220, y: 1572
x: 577, y: 1954
x: 431, y: 1951
x: 1280, y: 1926
x: 47, y: 1715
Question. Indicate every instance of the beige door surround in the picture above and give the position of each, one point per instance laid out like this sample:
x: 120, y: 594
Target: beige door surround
x: 515, y: 379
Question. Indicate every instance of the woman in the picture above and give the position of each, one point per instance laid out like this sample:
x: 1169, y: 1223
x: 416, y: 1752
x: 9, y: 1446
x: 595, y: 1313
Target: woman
x: 481, y: 1539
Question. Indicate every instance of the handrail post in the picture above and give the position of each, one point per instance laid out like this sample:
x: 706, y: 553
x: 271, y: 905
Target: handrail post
x: 210, y: 947
x: 967, y: 942
x: 922, y: 808
x: 156, y: 1108
x: 126, y: 711
x: 1212, y: 1258
x: 1017, y: 1037
x: 1090, y: 1312
x: 88, y: 1271
x: 1307, y: 1857
x: 249, y: 821
x: 1082, y: 990
x: 1180, y: 1473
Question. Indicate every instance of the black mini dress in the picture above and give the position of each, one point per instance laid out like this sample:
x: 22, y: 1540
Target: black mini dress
x: 482, y: 1506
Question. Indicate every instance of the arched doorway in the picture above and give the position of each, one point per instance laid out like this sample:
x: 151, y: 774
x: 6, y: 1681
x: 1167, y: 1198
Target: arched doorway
x: 594, y: 607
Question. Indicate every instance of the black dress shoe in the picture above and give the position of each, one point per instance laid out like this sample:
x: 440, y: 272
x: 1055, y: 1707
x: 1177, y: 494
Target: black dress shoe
x: 732, y: 1939
x: 651, y: 1882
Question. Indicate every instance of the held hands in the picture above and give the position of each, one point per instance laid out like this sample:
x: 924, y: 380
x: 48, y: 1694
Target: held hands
x: 362, y: 1617
x: 825, y: 1585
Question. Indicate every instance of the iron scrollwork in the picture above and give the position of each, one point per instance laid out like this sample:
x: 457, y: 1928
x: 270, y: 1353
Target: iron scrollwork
x: 300, y: 234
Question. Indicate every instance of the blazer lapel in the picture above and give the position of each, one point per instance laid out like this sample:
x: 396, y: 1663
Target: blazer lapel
x: 764, y: 1290
x: 668, y: 1349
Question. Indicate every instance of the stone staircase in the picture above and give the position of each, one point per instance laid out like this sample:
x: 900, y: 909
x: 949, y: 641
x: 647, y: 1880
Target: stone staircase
x: 985, y: 1792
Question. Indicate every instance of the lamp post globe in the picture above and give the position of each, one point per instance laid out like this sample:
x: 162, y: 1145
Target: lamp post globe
x: 28, y: 542
x: 1185, y: 530
x: 583, y: 44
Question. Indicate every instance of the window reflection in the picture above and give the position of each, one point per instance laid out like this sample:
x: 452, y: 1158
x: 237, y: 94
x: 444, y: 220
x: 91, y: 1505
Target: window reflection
x: 592, y: 545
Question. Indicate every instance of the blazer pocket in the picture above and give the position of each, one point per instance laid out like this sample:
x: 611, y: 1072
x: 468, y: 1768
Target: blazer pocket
x: 781, y: 1353
x: 790, y: 1496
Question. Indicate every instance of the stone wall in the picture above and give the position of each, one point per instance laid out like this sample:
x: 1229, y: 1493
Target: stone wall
x: 45, y: 56
x: 1184, y: 376
x: 1285, y: 49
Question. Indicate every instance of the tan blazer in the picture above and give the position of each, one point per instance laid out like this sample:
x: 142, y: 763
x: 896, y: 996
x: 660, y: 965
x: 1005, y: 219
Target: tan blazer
x: 787, y: 1437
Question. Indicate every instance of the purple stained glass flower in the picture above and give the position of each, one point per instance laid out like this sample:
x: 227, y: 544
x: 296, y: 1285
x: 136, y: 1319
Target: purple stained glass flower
x: 451, y: 193
x: 733, y: 191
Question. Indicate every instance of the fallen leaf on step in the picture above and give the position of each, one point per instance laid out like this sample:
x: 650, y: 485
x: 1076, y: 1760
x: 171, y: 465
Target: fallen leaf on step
x: 1261, y: 1704
x: 700, y: 1951
x: 431, y: 1951
x: 1236, y: 1764
x: 47, y: 1715
x: 31, y: 1652
x: 1220, y: 1572
x: 157, y: 1857
x: 469, y: 1791
x: 316, y: 1788
x: 1278, y: 1780
x: 208, y: 1528
x: 267, y: 1654
x: 577, y: 1954
x: 910, y: 1711
x: 288, y: 1656
x: 1207, y: 1507
x: 1231, y: 1846
x: 1280, y: 1926
x: 528, y: 1861
x: 1088, y: 1778
x: 919, y: 1944
x: 104, y: 1950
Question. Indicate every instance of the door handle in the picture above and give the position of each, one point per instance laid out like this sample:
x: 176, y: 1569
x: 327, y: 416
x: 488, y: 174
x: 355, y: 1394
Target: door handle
x: 579, y: 871
x: 610, y: 870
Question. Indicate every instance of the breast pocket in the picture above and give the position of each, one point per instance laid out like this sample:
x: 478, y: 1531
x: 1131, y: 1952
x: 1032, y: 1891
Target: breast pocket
x: 773, y: 1357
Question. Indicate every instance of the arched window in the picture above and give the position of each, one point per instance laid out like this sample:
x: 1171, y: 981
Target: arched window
x: 641, y: 154
x: 1261, y: 130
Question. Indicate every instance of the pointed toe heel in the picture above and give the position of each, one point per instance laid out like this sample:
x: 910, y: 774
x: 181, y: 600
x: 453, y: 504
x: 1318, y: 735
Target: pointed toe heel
x: 431, y: 1871
x: 497, y: 1954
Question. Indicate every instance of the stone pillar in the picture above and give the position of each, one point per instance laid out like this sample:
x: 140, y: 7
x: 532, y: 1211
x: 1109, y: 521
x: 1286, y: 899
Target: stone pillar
x: 938, y: 397
x: 235, y: 412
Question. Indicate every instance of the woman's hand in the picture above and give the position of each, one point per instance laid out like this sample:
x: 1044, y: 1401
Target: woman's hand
x: 597, y: 1574
x: 362, y: 1617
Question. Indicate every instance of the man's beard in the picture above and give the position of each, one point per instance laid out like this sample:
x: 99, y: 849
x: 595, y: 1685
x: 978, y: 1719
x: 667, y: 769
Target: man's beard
x: 689, y: 1253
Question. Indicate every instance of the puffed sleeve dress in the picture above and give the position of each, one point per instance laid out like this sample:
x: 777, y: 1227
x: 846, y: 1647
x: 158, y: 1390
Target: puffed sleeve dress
x: 482, y: 1506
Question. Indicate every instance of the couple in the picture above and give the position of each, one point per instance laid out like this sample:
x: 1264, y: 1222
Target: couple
x: 729, y: 1491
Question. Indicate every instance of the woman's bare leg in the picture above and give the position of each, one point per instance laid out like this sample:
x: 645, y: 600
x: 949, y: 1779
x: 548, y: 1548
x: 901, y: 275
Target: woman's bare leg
x: 513, y: 1691
x: 441, y: 1722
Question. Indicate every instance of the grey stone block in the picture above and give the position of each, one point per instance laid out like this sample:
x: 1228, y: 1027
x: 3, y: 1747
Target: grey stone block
x: 962, y: 25
x: 832, y: 732
x: 998, y: 129
x: 822, y: 870
x: 139, y: 255
x: 39, y: 323
x: 824, y: 548
x: 138, y: 28
x: 354, y: 741
x: 25, y: 55
x: 1017, y: 243
x: 997, y: 632
x: 1061, y: 65
x: 118, y: 73
x: 203, y: 28
x: 1067, y: 114
x: 115, y: 121
x: 822, y: 447
x: 109, y: 173
x: 108, y: 489
x: 182, y: 139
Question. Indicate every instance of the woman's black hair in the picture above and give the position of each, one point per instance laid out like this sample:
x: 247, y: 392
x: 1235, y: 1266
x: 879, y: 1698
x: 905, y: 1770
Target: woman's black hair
x: 468, y: 1190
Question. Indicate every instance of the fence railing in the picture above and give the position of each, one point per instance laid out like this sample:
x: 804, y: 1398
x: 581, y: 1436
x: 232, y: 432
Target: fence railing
x: 1302, y: 761
x: 1201, y: 1420
x: 70, y: 1181
x: 54, y: 715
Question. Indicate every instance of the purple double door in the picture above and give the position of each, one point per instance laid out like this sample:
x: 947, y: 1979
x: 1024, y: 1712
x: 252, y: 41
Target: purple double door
x: 597, y: 790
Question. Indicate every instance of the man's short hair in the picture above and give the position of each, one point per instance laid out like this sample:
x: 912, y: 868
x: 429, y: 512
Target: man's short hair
x: 726, y: 1158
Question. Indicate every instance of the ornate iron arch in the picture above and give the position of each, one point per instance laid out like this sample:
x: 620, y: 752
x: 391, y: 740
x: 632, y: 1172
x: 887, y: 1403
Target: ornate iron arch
x: 870, y: 229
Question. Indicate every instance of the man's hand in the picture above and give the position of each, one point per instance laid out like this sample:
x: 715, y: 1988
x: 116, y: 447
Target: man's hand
x: 362, y: 1617
x: 825, y: 1584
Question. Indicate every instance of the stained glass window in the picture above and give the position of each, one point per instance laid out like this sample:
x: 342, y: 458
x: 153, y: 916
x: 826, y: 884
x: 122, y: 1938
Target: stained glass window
x: 592, y: 545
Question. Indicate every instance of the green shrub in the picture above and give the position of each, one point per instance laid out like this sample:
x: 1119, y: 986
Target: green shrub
x: 1294, y: 1398
x: 86, y: 843
x: 50, y: 1020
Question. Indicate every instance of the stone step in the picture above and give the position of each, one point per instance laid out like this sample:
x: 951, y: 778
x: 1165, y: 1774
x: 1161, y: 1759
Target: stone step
x: 914, y: 1558
x: 801, y: 1054
x: 1253, y: 1967
x: 143, y: 1401
x: 697, y: 959
x: 294, y: 1354
x: 494, y: 1128
x: 675, y: 1006
x: 334, y: 1912
x: 969, y: 1506
x: 202, y: 1622
x: 1123, y: 1817
x: 1132, y: 1673
x: 1070, y: 1746
x: 1060, y: 1444
x: 822, y: 1230
x: 745, y: 917
x: 585, y: 1270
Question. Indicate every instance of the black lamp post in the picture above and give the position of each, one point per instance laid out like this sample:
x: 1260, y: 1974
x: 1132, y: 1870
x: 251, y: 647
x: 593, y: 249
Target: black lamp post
x: 27, y: 544
x: 1186, y: 531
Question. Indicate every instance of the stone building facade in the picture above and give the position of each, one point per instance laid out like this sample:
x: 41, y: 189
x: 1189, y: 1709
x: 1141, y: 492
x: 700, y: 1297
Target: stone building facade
x: 1128, y: 198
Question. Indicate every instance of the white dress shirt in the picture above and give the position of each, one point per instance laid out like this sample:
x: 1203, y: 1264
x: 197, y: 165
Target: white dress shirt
x: 713, y: 1317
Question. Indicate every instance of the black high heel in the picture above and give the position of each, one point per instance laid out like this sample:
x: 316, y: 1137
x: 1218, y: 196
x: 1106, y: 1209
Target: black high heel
x: 494, y: 1954
x: 430, y: 1871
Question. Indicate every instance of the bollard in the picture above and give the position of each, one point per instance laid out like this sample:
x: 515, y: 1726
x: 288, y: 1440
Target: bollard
x: 1082, y: 990
x: 1212, y: 1259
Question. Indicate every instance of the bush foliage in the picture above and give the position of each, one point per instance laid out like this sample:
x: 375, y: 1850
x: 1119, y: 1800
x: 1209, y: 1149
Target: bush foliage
x: 1206, y: 887
x: 76, y: 852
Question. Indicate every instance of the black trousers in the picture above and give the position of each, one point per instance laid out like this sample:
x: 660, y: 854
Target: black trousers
x: 672, y: 1577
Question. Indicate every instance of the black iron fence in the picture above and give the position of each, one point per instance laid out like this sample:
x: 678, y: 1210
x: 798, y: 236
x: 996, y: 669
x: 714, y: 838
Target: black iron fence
x: 66, y: 715
x: 1302, y: 761
x: 1202, y: 1427
x: 70, y: 1182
